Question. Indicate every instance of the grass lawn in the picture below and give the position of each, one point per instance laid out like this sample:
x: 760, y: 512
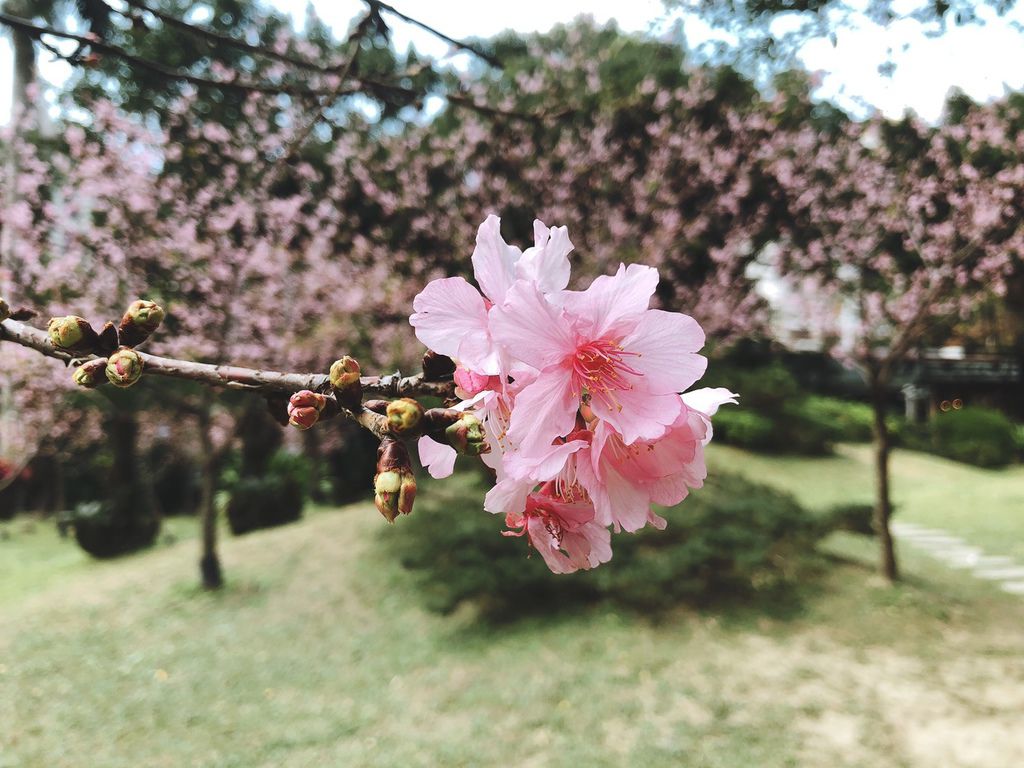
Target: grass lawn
x: 319, y: 654
x: 984, y: 506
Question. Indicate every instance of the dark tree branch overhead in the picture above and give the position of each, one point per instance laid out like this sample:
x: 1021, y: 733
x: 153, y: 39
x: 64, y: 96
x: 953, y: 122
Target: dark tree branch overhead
x: 358, y: 84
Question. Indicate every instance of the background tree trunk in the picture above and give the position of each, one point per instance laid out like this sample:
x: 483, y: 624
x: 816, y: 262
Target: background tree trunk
x: 883, y: 499
x: 210, y: 572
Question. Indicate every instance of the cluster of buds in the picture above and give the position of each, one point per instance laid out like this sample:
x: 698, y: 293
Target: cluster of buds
x: 123, y: 368
x: 139, y: 321
x: 394, y: 486
x: 72, y: 334
x: 304, y: 408
x: 346, y: 383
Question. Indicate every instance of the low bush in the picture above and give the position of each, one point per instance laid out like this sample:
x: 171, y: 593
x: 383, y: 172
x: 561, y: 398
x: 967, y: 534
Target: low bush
x: 104, y: 533
x: 847, y: 421
x: 732, y: 536
x: 772, y: 414
x: 275, y: 499
x: 980, y: 436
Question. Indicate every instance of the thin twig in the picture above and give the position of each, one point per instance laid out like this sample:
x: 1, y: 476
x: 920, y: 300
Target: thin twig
x: 426, y: 27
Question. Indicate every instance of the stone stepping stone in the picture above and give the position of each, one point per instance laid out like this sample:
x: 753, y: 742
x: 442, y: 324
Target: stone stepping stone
x: 964, y: 558
x: 995, y: 561
x: 1013, y: 587
x: 1000, y: 574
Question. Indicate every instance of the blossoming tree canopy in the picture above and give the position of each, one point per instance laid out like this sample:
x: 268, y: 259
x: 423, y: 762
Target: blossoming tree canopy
x: 578, y: 393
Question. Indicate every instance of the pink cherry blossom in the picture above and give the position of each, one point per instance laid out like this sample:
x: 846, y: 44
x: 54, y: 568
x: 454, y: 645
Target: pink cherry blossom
x: 562, y: 530
x: 601, y: 347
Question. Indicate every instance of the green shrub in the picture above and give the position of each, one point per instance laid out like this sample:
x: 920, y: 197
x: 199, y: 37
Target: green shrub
x: 974, y: 435
x: 772, y: 415
x: 855, y: 517
x: 103, y: 533
x: 275, y: 499
x: 847, y: 420
x: 730, y: 537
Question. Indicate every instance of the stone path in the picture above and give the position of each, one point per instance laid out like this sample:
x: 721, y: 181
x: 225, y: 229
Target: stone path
x: 957, y: 553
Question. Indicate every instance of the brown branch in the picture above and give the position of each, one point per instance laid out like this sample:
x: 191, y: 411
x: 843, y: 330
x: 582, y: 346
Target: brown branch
x: 291, y: 89
x: 247, y: 379
x: 229, y: 40
x: 450, y: 40
x: 35, y: 31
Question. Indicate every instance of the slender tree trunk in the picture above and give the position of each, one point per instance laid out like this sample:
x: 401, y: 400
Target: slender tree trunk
x: 209, y: 562
x: 883, y: 499
x: 311, y: 440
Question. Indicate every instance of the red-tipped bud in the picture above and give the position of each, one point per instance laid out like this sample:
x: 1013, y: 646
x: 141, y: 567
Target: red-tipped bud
x: 71, y: 333
x: 344, y: 372
x: 348, y: 388
x: 304, y: 408
x: 394, y: 487
x: 467, y: 436
x: 404, y: 415
x: 124, y: 367
x: 91, y: 374
x: 5, y: 310
x: 139, y: 321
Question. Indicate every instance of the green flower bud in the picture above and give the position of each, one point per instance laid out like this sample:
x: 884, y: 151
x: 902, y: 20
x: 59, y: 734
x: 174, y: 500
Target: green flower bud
x: 91, y: 374
x: 394, y: 486
x: 71, y: 333
x: 467, y: 436
x: 124, y: 367
x: 139, y: 321
x: 344, y: 372
x: 404, y: 415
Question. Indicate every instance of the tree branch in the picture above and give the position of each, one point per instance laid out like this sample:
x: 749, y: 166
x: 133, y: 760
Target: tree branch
x: 291, y: 89
x: 260, y: 381
x: 451, y: 40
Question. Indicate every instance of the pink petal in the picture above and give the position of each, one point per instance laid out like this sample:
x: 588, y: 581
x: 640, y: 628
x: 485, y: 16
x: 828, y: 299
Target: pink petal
x: 666, y: 343
x: 439, y: 459
x: 447, y: 313
x: 547, y: 263
x: 613, y: 304
x: 508, y: 495
x: 640, y: 415
x: 543, y: 411
x: 494, y: 260
x: 530, y: 328
x: 544, y: 465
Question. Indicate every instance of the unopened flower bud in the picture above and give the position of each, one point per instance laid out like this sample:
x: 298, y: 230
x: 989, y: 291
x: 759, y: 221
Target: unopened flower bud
x: 394, y: 487
x: 124, y: 367
x: 404, y: 415
x: 467, y: 436
x: 344, y: 372
x: 71, y: 333
x: 139, y: 321
x: 91, y: 374
x: 5, y: 310
x: 348, y: 388
x: 304, y: 408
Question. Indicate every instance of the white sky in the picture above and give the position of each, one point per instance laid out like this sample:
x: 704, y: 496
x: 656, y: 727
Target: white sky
x: 984, y: 61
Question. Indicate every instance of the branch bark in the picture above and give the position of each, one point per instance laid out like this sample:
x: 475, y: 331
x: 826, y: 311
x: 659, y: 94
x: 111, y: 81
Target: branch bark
x: 261, y: 381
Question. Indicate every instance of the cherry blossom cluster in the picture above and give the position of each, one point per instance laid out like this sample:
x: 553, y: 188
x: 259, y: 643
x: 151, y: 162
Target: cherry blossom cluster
x: 582, y: 394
